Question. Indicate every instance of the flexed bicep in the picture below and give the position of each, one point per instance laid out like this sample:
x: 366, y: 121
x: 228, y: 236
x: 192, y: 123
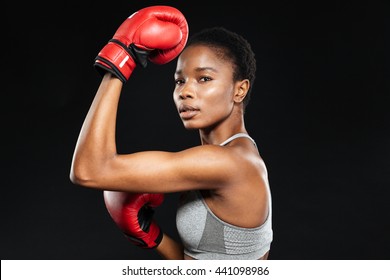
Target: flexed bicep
x: 201, y: 167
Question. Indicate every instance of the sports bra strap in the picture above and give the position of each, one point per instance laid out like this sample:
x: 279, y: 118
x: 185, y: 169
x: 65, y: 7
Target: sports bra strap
x: 235, y: 136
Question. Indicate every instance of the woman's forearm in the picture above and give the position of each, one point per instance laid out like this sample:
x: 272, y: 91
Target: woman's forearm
x: 96, y: 141
x: 170, y: 249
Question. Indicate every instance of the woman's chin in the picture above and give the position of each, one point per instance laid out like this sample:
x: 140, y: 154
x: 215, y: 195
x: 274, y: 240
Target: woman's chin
x: 191, y: 125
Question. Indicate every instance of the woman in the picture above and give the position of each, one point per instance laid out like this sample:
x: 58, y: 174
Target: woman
x: 225, y: 206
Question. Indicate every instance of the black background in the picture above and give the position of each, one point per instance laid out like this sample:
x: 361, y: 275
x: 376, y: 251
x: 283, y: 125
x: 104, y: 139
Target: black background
x: 319, y: 113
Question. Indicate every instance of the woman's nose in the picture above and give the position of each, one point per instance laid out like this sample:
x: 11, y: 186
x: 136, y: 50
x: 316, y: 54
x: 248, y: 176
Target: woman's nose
x: 186, y: 92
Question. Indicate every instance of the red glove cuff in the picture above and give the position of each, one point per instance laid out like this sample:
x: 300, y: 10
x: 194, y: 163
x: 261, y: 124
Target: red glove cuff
x: 115, y: 59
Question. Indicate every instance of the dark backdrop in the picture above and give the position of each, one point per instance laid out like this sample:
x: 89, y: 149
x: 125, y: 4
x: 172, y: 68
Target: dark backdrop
x: 319, y: 113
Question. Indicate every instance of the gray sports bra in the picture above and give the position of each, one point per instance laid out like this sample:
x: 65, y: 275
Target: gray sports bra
x: 207, y: 237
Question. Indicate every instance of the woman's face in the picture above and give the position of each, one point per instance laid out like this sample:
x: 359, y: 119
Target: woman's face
x: 204, y: 88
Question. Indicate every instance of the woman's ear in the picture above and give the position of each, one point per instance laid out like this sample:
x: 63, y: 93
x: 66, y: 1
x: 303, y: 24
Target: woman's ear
x: 241, y: 91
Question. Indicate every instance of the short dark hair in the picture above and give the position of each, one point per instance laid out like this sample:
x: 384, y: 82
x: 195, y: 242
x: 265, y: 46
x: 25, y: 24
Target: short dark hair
x: 232, y: 47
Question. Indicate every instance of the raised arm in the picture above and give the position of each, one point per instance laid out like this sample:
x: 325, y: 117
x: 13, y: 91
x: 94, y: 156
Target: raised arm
x: 157, y: 34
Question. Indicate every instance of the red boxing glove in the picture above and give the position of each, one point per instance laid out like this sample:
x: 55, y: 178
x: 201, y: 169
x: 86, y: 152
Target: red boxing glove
x: 156, y: 33
x: 133, y: 214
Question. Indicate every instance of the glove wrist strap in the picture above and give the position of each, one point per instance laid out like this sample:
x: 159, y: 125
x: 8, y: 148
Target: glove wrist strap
x: 140, y: 56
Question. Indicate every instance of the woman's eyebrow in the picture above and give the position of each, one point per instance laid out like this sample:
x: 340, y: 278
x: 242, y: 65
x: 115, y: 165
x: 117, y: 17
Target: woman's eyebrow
x: 198, y: 69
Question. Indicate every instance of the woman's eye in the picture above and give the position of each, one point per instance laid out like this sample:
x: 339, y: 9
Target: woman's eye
x: 205, y: 79
x: 179, y: 81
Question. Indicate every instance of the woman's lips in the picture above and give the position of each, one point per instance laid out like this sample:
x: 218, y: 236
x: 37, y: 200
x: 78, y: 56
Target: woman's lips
x: 187, y: 111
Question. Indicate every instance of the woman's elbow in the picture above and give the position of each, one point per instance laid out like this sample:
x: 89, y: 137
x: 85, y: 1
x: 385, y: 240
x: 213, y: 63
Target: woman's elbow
x: 81, y: 176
